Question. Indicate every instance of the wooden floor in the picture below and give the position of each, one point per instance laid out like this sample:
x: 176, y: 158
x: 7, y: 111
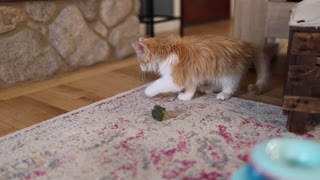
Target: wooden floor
x: 25, y: 105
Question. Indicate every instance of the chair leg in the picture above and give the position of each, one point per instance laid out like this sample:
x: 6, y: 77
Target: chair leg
x: 181, y: 18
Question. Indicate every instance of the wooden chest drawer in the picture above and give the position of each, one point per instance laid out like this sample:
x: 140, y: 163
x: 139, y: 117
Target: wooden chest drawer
x: 301, y: 99
x: 303, y: 75
x: 306, y: 43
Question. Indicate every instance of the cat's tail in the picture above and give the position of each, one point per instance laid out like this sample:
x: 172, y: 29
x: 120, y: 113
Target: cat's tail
x: 261, y: 64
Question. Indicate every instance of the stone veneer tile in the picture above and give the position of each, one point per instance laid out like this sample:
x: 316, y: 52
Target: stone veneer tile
x: 112, y: 12
x: 23, y: 58
x: 123, y: 35
x: 41, y: 38
x: 40, y: 11
x: 99, y: 27
x: 73, y: 39
x: 89, y: 8
x: 10, y: 17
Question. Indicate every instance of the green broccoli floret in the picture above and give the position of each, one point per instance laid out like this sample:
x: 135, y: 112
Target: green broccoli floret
x: 158, y: 112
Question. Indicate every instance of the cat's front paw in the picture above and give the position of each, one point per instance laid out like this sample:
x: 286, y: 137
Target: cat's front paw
x: 184, y: 96
x: 223, y: 96
x: 149, y: 92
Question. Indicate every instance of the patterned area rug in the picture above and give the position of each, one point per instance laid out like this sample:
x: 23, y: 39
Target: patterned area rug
x: 117, y: 138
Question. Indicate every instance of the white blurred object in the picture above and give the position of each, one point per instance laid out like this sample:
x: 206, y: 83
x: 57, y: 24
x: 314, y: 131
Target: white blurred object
x: 306, y: 13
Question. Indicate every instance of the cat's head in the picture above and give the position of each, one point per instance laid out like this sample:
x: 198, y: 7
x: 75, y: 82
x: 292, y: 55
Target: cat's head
x: 145, y: 57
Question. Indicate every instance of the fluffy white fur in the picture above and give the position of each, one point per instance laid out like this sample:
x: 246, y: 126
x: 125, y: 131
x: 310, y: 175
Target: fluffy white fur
x: 165, y: 83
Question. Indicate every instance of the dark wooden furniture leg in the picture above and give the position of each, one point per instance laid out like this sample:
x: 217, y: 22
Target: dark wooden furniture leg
x: 297, y: 122
x: 181, y: 18
x: 150, y: 15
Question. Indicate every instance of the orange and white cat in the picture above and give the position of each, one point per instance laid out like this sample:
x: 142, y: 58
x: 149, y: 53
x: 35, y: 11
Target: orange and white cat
x: 204, y: 63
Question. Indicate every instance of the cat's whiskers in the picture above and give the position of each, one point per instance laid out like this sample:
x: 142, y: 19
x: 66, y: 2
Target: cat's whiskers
x: 143, y: 75
x: 154, y: 67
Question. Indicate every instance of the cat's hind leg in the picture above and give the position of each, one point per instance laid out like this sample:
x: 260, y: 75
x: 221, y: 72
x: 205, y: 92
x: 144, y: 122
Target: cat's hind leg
x: 188, y: 93
x: 207, y: 88
x: 161, y: 85
x: 229, y: 85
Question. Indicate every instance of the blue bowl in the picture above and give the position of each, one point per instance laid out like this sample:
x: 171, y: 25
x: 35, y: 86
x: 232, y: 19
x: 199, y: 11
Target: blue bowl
x: 246, y: 172
x: 283, y: 158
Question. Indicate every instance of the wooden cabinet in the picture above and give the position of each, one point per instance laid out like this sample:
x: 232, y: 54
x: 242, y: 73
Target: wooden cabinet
x: 306, y: 43
x: 303, y: 78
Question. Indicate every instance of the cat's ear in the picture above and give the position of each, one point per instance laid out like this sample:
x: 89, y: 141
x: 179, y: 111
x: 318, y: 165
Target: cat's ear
x: 138, y: 47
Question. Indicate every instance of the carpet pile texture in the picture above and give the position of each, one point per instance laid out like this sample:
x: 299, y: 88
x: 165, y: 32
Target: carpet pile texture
x: 117, y: 138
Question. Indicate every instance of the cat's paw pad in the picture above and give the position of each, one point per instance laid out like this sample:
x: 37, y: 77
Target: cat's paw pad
x: 223, y: 96
x: 184, y: 96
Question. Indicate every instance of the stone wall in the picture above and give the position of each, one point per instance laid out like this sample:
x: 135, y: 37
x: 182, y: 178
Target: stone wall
x: 41, y: 38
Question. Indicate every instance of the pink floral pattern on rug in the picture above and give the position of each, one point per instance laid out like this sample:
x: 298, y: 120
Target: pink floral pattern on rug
x: 117, y: 138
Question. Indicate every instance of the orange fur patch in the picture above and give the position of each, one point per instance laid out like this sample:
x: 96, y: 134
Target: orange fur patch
x: 201, y: 57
